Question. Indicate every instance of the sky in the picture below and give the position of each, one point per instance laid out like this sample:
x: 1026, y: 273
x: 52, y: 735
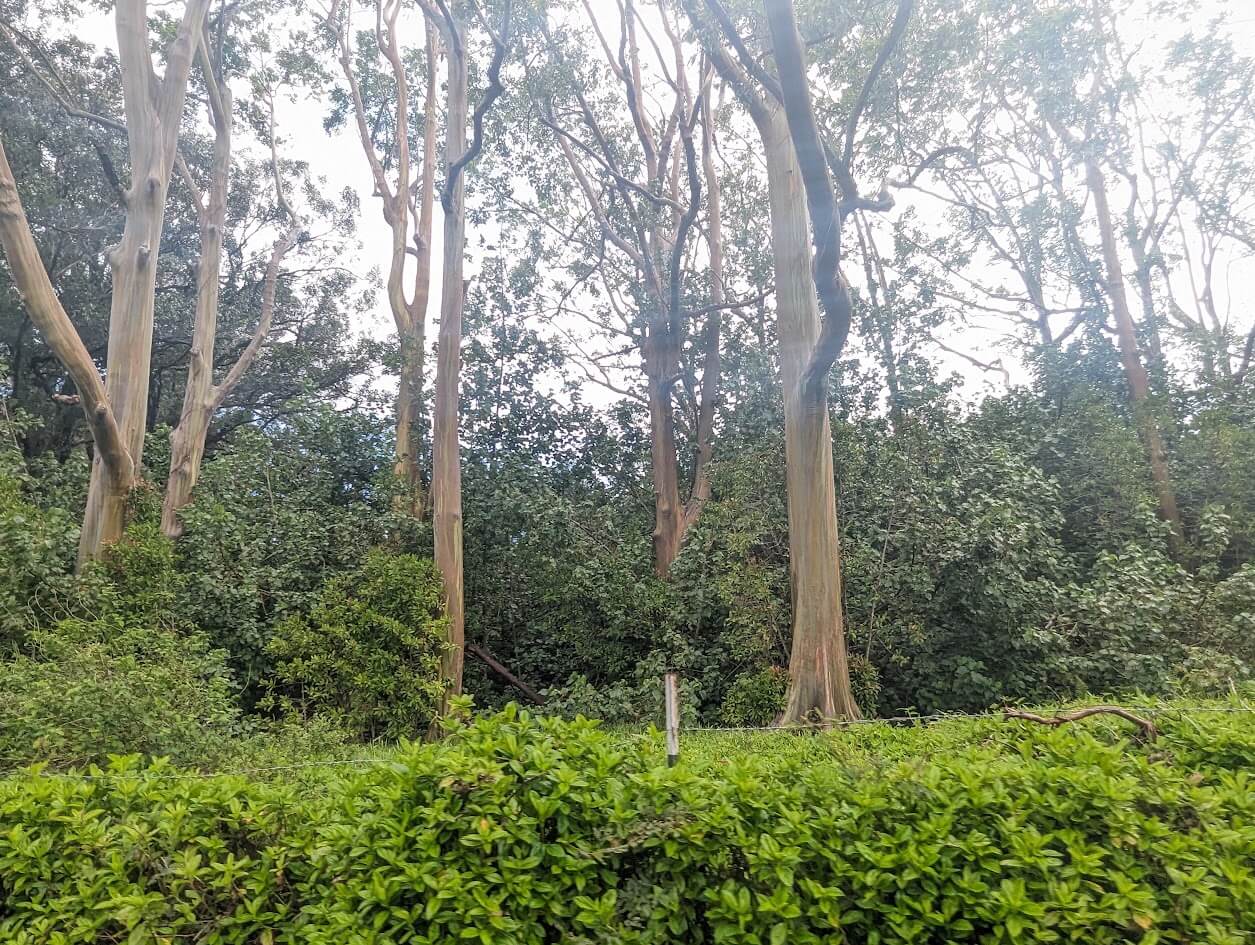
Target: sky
x: 337, y: 158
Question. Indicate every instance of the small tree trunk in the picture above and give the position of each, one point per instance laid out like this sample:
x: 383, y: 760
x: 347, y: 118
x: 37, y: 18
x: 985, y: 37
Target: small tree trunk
x: 187, y: 440
x: 819, y: 678
x: 446, y: 480
x: 1130, y: 355
x: 661, y: 367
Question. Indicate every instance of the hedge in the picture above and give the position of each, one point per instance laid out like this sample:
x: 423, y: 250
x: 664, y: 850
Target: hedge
x: 520, y: 829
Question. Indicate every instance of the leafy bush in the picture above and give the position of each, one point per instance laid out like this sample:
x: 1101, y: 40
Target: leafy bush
x: 38, y: 547
x: 369, y: 654
x: 527, y: 830
x: 92, y: 688
x: 275, y: 515
x: 755, y: 698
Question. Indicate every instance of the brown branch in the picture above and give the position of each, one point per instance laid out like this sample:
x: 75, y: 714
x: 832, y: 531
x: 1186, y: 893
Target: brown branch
x: 1147, y: 728
x: 501, y: 45
x: 501, y: 670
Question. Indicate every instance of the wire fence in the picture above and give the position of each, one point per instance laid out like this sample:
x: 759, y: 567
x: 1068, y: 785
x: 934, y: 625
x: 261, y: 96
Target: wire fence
x: 367, y: 762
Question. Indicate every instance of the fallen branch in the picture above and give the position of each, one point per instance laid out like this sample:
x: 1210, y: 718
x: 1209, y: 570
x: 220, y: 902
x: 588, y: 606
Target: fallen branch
x: 500, y: 669
x: 1148, y: 730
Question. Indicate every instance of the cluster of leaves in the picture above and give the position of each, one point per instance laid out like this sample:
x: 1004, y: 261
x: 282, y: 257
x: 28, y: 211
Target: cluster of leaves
x: 527, y: 830
x: 369, y: 653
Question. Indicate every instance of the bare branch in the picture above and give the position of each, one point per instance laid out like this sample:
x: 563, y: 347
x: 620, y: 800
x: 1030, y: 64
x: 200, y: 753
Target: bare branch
x: 896, y: 32
x: 1146, y: 727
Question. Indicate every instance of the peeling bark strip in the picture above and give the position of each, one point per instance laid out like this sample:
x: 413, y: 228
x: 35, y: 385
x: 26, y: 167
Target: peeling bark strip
x: 117, y: 413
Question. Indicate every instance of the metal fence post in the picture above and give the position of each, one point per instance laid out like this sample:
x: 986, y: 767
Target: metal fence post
x: 671, y: 694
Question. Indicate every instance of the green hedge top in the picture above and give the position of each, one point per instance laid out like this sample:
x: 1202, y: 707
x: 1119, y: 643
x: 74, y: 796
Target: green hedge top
x: 520, y: 829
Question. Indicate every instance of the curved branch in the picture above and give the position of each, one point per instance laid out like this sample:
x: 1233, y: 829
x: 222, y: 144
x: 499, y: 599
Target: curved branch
x: 1147, y: 727
x: 501, y: 45
x: 35, y: 288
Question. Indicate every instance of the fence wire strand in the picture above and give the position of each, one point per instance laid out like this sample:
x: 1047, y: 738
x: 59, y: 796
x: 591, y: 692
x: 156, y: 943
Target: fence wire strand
x: 833, y: 726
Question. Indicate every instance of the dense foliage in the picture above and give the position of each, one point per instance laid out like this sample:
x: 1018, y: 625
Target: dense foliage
x: 517, y: 829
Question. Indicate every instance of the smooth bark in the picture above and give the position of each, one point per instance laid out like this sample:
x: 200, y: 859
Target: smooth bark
x: 1130, y: 353
x: 819, y: 677
x: 446, y: 471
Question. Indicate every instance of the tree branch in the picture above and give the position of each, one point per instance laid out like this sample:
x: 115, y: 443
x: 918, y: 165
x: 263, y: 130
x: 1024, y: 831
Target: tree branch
x: 1147, y: 728
x: 33, y: 285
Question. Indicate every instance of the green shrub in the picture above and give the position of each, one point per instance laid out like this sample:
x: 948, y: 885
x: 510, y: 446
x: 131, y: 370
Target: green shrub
x: 369, y: 654
x: 755, y: 698
x: 38, y: 548
x: 520, y: 831
x: 92, y: 688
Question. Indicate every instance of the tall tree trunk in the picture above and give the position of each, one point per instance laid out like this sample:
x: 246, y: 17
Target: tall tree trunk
x: 818, y: 666
x: 446, y: 478
x: 662, y: 364
x: 154, y: 111
x: 712, y: 357
x: 408, y: 468
x: 1130, y: 355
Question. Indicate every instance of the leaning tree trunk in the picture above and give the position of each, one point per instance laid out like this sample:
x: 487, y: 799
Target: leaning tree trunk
x: 818, y: 667
x: 446, y: 479
x: 1130, y: 354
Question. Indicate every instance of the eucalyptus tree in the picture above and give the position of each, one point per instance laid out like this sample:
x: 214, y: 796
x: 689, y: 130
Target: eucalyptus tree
x: 455, y: 26
x: 380, y: 105
x: 634, y: 158
x: 805, y: 206
x: 116, y: 409
x: 1095, y: 183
